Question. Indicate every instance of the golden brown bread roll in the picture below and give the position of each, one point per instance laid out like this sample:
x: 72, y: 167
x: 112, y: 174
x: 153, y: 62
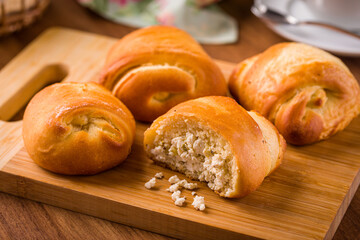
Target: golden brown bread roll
x: 214, y: 139
x: 77, y: 129
x: 307, y: 93
x: 153, y: 69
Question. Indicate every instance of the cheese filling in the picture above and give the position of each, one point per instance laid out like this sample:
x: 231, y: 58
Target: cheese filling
x: 197, y: 151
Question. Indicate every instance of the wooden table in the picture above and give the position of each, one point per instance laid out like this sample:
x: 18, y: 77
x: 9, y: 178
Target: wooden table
x: 25, y: 219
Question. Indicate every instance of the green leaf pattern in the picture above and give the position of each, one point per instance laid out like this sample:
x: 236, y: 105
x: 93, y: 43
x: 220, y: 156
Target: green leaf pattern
x: 206, y: 24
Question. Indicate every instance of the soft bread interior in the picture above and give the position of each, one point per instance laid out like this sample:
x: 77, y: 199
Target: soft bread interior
x: 187, y: 146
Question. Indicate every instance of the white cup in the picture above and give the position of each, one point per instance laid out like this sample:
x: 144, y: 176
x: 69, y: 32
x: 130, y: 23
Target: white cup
x: 343, y: 13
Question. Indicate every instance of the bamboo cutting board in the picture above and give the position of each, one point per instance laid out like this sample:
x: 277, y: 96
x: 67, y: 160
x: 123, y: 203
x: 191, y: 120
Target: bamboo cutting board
x: 305, y: 198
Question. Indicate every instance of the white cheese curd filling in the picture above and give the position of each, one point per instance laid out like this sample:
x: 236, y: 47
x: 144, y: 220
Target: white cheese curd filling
x: 197, y: 151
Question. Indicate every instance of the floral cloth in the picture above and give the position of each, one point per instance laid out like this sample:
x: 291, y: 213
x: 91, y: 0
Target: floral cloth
x: 205, y: 21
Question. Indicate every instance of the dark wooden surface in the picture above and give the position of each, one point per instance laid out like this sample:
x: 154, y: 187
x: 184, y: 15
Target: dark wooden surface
x: 25, y: 219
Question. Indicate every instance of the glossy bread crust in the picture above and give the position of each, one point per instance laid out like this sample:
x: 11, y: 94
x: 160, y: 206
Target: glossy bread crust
x: 254, y: 141
x: 152, y: 69
x: 307, y: 93
x: 77, y: 129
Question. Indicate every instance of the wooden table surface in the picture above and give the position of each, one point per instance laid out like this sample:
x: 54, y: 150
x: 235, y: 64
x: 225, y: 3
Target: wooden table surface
x: 25, y: 219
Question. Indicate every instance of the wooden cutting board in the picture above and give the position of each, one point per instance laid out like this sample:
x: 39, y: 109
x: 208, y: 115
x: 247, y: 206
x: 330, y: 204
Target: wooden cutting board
x: 305, y: 198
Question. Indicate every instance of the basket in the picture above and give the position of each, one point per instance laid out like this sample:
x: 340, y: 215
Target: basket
x: 17, y: 14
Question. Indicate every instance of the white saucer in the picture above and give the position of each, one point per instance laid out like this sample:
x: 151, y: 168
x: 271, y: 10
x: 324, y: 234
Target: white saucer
x: 329, y: 40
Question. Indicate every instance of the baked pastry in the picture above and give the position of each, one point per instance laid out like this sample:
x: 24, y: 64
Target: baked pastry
x: 153, y: 69
x: 77, y: 129
x: 306, y: 92
x: 214, y: 139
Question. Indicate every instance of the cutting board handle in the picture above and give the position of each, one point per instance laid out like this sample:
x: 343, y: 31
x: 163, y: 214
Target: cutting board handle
x: 13, y: 102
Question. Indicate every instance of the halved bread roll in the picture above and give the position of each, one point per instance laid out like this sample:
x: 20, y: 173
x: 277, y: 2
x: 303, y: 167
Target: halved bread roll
x: 214, y: 139
x: 306, y: 92
x: 77, y: 129
x: 152, y: 69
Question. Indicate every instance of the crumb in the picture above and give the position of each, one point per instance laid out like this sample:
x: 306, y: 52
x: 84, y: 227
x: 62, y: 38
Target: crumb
x: 190, y: 186
x: 173, y: 188
x: 175, y: 195
x: 180, y: 201
x: 199, y: 203
x: 159, y: 175
x: 178, y: 184
x: 193, y: 193
x: 151, y: 183
x: 174, y: 179
x: 182, y: 183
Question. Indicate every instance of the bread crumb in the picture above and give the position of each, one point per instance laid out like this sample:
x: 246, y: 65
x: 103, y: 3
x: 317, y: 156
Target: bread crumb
x: 199, y: 203
x: 190, y: 186
x: 173, y: 188
x: 151, y: 183
x: 159, y: 175
x: 181, y: 184
x: 193, y: 193
x: 185, y: 184
x: 174, y: 179
x: 175, y: 195
x: 179, y: 201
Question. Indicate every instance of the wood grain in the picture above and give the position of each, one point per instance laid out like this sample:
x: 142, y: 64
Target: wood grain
x: 304, y: 199
x: 254, y: 37
x: 48, y: 222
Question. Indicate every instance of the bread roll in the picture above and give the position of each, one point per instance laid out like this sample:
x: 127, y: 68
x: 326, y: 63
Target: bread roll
x: 153, y: 69
x: 307, y: 93
x: 77, y: 129
x: 214, y: 139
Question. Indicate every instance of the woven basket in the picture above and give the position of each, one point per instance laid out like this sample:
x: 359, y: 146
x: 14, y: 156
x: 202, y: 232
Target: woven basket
x: 17, y: 14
